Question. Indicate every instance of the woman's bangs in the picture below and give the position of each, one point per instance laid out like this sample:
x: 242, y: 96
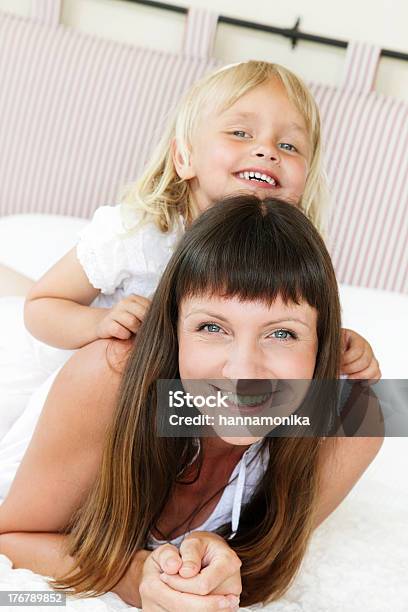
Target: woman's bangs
x: 255, y: 260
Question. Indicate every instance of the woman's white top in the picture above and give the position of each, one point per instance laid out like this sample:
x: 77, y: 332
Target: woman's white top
x: 238, y: 492
x: 121, y: 261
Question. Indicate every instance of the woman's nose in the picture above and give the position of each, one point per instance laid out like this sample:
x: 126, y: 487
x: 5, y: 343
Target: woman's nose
x: 244, y: 362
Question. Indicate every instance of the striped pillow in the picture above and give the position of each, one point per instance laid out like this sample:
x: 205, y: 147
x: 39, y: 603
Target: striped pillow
x: 366, y: 142
x: 80, y: 115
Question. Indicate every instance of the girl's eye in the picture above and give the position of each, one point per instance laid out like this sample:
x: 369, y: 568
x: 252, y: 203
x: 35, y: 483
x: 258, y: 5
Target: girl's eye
x: 210, y: 327
x: 240, y: 133
x: 284, y: 334
x: 287, y: 146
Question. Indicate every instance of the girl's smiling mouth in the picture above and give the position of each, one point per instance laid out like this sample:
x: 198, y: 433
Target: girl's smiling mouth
x: 259, y: 177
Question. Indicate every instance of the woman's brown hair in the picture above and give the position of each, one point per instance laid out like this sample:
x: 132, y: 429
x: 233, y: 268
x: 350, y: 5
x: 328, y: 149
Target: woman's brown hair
x: 256, y: 250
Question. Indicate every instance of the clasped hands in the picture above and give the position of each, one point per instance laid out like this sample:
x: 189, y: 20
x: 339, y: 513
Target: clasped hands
x: 202, y: 575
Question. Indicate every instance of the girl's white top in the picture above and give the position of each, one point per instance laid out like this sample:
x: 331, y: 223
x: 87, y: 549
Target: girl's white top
x: 121, y: 261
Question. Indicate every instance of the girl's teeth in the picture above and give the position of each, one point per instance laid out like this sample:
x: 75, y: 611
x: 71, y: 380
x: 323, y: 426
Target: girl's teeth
x: 257, y: 176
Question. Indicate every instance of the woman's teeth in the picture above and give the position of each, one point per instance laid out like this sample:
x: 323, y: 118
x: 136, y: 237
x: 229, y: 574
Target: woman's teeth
x: 257, y: 176
x: 246, y: 400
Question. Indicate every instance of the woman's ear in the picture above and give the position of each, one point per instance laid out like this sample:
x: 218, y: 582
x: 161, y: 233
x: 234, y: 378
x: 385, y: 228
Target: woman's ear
x: 182, y: 161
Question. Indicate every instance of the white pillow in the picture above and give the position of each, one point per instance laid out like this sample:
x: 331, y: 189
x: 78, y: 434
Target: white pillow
x: 382, y: 318
x: 31, y: 244
x: 25, y: 363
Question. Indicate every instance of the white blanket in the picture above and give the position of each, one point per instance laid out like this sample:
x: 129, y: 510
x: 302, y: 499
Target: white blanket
x: 357, y: 559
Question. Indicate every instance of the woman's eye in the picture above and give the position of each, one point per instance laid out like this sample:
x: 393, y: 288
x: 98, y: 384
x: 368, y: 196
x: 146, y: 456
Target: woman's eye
x: 287, y: 146
x: 241, y: 133
x: 284, y: 334
x: 210, y: 327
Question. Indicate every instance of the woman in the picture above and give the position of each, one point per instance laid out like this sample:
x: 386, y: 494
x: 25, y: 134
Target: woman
x: 231, y: 306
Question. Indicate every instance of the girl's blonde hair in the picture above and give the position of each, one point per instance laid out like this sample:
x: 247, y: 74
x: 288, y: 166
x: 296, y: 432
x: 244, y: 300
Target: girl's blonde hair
x: 162, y: 195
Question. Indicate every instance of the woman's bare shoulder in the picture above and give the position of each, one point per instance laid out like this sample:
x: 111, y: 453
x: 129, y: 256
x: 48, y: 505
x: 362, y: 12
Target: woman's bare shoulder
x: 102, y: 356
x: 103, y: 361
x: 91, y: 379
x: 64, y: 455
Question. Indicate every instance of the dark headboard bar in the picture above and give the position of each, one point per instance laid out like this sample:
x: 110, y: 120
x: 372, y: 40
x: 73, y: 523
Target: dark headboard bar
x: 294, y: 34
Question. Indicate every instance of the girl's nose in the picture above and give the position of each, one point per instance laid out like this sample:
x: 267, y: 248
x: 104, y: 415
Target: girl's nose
x: 269, y: 153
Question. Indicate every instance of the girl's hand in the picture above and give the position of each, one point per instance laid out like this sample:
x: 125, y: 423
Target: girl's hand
x: 207, y: 565
x: 358, y: 360
x: 123, y: 319
x: 156, y: 596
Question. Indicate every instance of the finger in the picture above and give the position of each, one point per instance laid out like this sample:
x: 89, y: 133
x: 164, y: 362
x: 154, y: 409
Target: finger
x: 134, y: 305
x: 170, y: 599
x: 191, y: 551
x: 168, y: 558
x: 139, y: 299
x: 356, y: 352
x: 136, y: 310
x: 219, y: 572
x: 116, y: 330
x: 345, y: 339
x: 160, y: 596
x: 370, y: 375
x: 151, y: 596
x: 362, y: 363
x: 127, y: 320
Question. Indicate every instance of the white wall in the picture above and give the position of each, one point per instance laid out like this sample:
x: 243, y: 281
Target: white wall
x: 384, y: 22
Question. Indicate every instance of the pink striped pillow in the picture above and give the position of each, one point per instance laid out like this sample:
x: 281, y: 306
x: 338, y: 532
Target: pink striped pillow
x: 366, y: 144
x: 95, y: 109
x: 79, y: 115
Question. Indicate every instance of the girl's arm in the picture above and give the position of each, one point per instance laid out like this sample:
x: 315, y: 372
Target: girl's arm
x: 57, y: 308
x: 358, y: 359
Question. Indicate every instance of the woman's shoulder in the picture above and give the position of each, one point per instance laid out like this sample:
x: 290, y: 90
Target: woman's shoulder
x: 91, y: 378
x: 104, y: 357
x: 65, y: 452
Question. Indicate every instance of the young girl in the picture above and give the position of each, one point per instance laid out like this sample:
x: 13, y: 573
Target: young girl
x: 250, y: 127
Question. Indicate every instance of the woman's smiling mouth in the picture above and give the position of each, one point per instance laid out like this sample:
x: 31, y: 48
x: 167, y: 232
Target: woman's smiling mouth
x: 281, y: 393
